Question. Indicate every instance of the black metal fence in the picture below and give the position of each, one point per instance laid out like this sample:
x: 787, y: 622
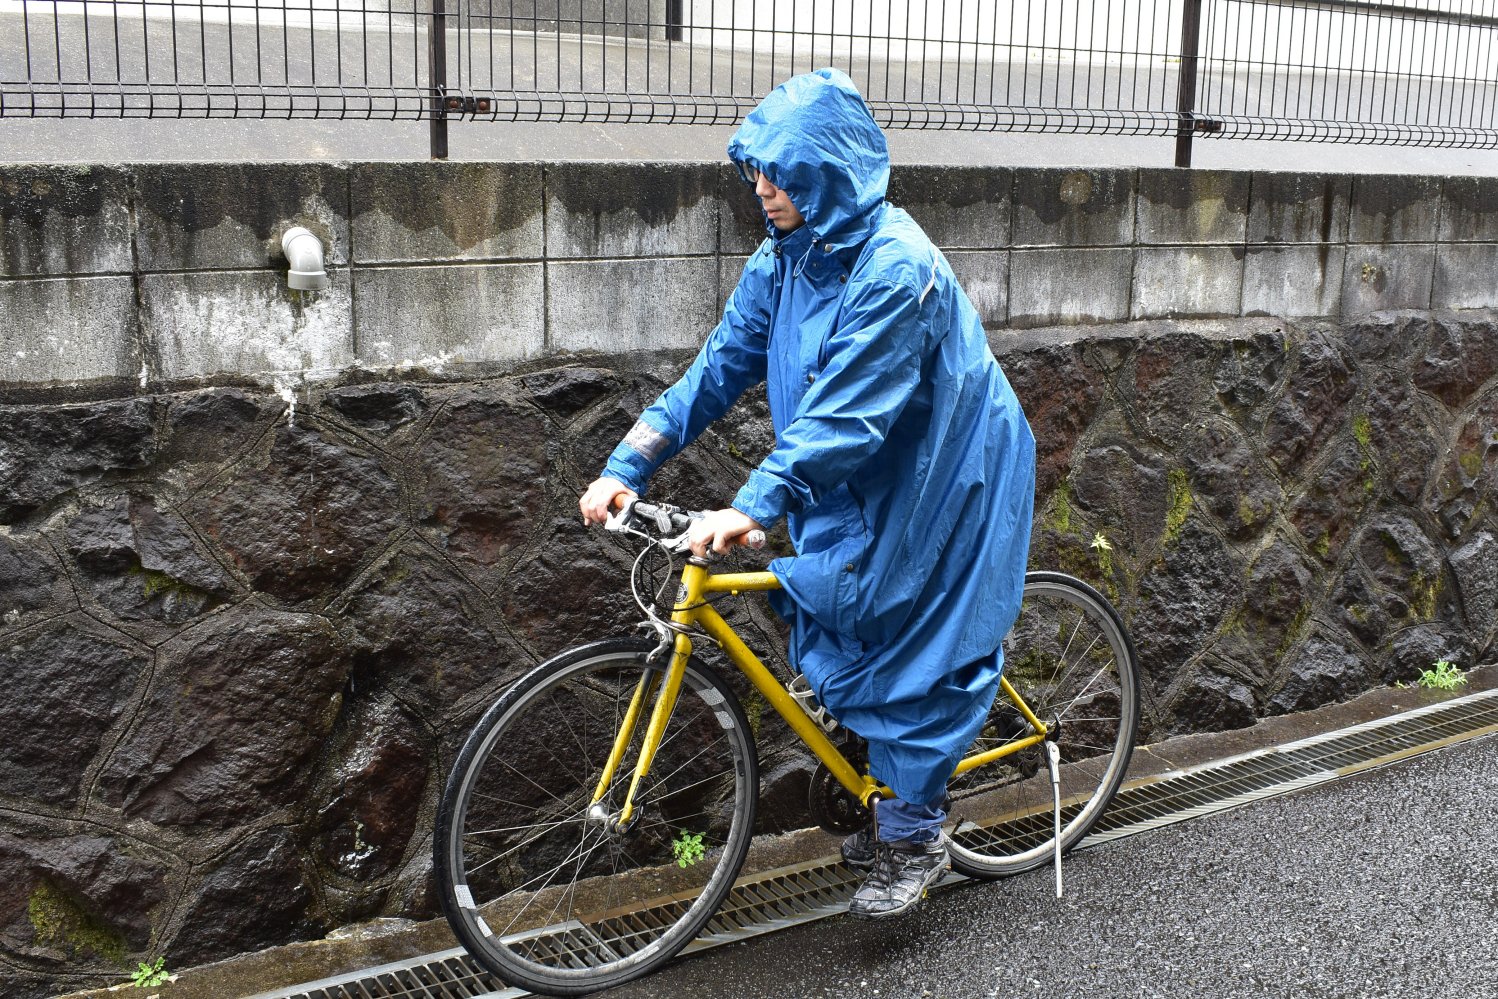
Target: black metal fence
x: 1343, y: 70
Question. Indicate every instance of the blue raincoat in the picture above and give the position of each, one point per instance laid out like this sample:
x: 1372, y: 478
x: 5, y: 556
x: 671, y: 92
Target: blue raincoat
x: 903, y: 463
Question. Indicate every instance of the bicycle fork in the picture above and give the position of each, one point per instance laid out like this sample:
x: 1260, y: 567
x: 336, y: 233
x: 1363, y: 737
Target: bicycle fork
x: 660, y: 715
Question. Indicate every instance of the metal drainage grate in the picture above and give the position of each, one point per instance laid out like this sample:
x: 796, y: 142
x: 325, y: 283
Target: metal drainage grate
x: 448, y: 974
x: 814, y: 890
x: 1214, y: 787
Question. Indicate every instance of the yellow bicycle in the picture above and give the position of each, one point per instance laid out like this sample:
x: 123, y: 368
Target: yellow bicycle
x: 602, y: 810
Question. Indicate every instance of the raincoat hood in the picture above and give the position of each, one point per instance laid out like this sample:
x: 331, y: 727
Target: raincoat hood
x: 815, y: 139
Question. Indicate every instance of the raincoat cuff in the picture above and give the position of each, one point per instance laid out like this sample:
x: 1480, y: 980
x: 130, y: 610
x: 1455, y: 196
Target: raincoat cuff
x: 763, y: 499
x: 630, y: 467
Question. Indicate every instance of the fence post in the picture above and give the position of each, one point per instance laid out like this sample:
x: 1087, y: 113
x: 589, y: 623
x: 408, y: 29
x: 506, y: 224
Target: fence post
x: 1191, y: 22
x: 437, y: 52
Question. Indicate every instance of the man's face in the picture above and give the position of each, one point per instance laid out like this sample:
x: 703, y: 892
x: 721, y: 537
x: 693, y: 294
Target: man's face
x: 777, y: 204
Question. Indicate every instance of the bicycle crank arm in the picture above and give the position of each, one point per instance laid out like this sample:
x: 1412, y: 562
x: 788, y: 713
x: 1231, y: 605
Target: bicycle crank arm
x: 1053, y: 757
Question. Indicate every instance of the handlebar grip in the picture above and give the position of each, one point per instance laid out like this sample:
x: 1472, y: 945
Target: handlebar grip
x: 755, y: 540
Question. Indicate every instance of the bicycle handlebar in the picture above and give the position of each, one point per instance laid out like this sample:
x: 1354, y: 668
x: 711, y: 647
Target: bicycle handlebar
x: 668, y: 519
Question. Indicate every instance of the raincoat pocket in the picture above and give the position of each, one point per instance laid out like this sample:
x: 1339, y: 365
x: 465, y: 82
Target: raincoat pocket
x: 824, y: 579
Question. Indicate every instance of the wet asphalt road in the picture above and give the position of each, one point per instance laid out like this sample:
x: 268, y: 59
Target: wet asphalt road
x: 1378, y: 885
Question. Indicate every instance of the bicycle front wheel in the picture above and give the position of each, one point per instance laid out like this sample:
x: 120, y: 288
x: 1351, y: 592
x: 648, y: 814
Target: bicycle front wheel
x: 537, y: 880
x: 1073, y: 664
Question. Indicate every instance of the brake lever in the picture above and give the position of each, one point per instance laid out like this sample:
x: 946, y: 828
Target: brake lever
x: 754, y: 539
x: 619, y: 522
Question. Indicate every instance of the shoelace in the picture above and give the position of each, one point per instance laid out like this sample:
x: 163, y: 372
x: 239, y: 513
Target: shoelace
x: 886, y: 869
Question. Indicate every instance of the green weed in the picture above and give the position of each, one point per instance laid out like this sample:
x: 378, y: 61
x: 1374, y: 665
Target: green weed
x: 150, y: 975
x: 1442, y: 676
x: 687, y: 848
x: 1101, y: 545
x: 1362, y: 431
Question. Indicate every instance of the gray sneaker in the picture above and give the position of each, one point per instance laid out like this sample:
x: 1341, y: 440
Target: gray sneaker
x: 900, y: 876
x: 859, y: 849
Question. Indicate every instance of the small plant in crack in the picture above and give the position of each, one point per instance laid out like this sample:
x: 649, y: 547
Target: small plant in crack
x: 687, y: 848
x: 149, y: 976
x: 1443, y: 675
x: 1102, y: 546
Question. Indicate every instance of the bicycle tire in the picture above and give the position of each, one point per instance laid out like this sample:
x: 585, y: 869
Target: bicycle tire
x: 1002, y: 814
x: 602, y: 946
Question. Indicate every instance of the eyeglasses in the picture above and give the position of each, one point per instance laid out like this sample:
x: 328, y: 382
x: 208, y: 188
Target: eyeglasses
x: 748, y: 171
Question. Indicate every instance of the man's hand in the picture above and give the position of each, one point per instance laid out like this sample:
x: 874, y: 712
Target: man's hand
x: 718, y: 530
x: 601, y: 497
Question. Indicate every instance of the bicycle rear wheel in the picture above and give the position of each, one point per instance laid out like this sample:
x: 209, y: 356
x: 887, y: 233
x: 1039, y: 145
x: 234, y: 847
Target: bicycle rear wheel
x: 540, y: 887
x: 1071, y: 661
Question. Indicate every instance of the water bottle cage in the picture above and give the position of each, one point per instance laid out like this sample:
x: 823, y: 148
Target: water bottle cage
x: 800, y: 689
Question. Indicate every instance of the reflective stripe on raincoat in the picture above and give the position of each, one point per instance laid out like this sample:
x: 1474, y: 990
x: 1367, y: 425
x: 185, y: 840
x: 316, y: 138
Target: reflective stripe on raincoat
x: 903, y: 463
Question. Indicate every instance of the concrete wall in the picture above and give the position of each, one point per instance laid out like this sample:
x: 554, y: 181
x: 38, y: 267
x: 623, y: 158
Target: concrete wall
x: 117, y: 279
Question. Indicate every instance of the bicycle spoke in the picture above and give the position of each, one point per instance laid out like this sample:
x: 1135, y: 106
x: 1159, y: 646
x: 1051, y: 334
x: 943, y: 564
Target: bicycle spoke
x: 1060, y: 681
x: 562, y: 716
x: 503, y: 801
x: 1078, y: 627
x: 510, y: 852
x: 678, y: 770
x: 533, y: 825
x: 571, y: 889
x: 1083, y: 691
x: 527, y: 779
x: 1085, y: 745
x: 682, y: 790
x: 552, y: 873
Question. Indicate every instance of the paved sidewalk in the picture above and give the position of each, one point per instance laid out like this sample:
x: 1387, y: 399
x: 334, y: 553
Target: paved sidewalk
x: 81, y: 140
x: 1379, y: 885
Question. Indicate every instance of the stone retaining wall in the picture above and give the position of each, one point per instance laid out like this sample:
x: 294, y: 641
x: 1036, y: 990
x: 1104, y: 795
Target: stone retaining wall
x: 126, y: 278
x: 241, y: 640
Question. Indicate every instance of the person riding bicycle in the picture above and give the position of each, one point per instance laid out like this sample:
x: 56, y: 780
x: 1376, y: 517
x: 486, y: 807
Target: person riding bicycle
x: 903, y: 465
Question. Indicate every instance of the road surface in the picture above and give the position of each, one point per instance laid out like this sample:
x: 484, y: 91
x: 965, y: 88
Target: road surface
x: 1378, y: 885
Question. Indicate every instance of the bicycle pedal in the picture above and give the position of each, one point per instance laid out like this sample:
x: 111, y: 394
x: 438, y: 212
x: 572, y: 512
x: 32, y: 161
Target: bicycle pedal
x: 800, y: 690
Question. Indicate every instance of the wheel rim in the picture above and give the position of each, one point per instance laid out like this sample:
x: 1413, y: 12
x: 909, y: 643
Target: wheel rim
x: 557, y: 894
x: 1069, y: 661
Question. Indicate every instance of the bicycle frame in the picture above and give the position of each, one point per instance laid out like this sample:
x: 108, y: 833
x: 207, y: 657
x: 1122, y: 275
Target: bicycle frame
x: 693, y: 610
